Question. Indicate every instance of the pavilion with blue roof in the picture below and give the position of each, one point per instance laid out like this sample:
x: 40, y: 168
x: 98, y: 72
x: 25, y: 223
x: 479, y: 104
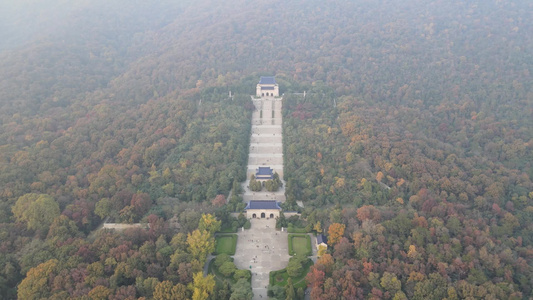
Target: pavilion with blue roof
x: 264, y: 173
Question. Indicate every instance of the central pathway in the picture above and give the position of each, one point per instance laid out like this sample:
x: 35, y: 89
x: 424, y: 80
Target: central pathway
x: 262, y: 248
x: 266, y: 146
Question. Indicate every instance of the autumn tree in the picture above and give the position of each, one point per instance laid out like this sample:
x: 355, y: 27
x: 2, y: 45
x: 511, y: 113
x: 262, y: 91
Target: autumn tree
x: 325, y: 262
x: 163, y: 290
x: 368, y: 212
x: 100, y: 292
x: 335, y: 233
x: 200, y: 244
x: 318, y: 227
x: 166, y: 290
x: 321, y: 250
x: 219, y: 200
x: 202, y: 287
x: 36, y: 285
x: 209, y: 223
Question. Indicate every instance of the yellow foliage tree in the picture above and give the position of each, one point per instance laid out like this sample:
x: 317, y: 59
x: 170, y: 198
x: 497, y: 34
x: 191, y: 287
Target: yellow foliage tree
x: 318, y: 227
x: 202, y: 287
x: 209, y: 223
x: 321, y: 250
x: 166, y: 290
x: 100, y: 292
x: 35, y: 285
x: 412, y: 252
x: 200, y: 244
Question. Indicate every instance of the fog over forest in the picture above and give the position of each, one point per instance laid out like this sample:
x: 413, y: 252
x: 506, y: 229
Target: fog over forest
x: 412, y: 150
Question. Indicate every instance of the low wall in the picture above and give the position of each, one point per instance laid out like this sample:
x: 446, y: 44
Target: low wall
x: 289, y: 214
x: 120, y: 226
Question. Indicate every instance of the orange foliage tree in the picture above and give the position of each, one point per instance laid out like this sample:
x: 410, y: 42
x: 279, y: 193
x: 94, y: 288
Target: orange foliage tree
x: 335, y: 232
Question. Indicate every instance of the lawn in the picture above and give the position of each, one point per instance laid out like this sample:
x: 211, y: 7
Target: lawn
x: 226, y: 243
x: 300, y: 244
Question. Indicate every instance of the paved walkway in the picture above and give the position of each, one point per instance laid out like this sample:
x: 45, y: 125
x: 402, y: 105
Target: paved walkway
x: 266, y: 147
x: 262, y: 249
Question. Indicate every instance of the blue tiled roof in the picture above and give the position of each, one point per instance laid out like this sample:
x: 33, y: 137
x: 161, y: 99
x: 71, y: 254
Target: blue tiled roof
x: 262, y: 204
x: 267, y: 80
x: 264, y: 171
x: 321, y: 239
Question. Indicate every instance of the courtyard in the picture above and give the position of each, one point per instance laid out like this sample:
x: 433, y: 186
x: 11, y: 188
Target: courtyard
x: 262, y: 249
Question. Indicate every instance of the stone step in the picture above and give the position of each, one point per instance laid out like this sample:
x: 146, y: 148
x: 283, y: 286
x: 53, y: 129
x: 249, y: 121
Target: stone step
x: 266, y: 155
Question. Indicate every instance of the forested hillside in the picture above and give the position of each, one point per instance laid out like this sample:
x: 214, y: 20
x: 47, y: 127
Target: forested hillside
x: 416, y: 133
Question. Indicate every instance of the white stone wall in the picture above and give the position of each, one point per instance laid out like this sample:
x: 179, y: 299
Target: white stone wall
x: 258, y: 212
x: 259, y: 92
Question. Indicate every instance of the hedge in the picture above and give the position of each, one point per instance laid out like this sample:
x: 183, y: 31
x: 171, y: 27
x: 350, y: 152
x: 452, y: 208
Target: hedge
x: 307, y: 244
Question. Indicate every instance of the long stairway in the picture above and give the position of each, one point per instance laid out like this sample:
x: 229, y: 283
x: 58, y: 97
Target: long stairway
x: 266, y: 146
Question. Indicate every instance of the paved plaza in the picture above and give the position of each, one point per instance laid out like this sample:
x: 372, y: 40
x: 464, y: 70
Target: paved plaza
x: 262, y: 249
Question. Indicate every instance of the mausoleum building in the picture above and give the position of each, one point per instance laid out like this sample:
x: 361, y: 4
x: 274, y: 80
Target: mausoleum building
x: 260, y: 209
x: 267, y: 87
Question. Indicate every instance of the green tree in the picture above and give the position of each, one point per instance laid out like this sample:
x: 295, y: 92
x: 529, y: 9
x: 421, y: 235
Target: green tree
x: 255, y: 185
x: 227, y: 269
x: 224, y: 291
x: 245, y: 274
x: 222, y: 258
x: 242, y: 290
x: 390, y: 282
x: 146, y: 287
x: 295, y: 266
x: 103, y: 208
x: 290, y: 293
x: 300, y: 293
x: 62, y: 228
x: 38, y: 211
